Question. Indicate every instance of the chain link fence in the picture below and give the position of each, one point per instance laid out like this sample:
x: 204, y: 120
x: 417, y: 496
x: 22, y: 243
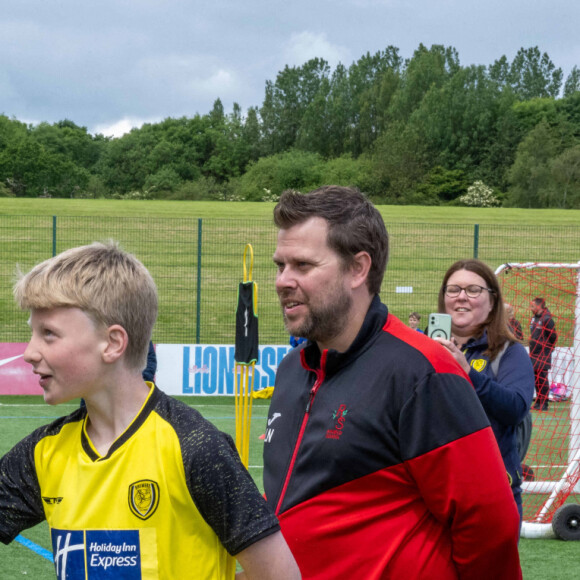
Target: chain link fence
x: 198, y: 264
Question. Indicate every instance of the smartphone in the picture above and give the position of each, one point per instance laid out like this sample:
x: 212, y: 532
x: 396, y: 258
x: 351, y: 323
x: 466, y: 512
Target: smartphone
x: 439, y: 326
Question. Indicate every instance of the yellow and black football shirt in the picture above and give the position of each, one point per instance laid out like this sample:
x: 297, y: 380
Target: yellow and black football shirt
x: 167, y: 501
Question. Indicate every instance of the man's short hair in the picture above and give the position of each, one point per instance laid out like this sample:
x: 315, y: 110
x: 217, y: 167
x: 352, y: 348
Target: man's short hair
x: 354, y: 224
x: 110, y: 285
x: 415, y: 315
x: 540, y: 302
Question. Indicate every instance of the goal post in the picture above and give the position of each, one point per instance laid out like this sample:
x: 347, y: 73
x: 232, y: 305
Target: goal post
x: 552, y: 464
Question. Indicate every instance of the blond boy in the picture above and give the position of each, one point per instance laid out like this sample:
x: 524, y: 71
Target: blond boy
x: 137, y: 484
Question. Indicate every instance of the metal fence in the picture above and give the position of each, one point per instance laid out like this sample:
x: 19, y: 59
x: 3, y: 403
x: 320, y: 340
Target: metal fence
x: 198, y: 264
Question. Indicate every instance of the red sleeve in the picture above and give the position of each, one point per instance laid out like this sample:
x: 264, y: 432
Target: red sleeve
x: 462, y: 478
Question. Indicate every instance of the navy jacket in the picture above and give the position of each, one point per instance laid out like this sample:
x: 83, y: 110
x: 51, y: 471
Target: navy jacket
x: 506, y: 398
x: 151, y: 368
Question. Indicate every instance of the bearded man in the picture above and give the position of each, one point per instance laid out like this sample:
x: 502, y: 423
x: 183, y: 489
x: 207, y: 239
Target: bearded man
x: 378, y: 459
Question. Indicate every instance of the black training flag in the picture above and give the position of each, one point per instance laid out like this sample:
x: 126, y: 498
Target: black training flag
x: 247, y: 324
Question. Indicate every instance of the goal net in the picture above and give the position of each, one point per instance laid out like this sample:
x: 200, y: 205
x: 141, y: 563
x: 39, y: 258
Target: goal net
x: 552, y: 463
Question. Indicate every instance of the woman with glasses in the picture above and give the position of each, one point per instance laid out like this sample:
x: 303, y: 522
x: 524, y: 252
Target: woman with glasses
x: 480, y: 335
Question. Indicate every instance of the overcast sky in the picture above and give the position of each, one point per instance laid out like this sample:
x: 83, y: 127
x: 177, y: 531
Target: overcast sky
x: 109, y: 65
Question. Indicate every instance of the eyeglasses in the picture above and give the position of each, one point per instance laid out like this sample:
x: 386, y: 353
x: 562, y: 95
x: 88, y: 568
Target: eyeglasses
x: 472, y: 291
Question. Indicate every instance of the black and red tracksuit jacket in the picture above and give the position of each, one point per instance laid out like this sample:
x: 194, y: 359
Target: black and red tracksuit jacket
x: 543, y: 338
x: 380, y: 462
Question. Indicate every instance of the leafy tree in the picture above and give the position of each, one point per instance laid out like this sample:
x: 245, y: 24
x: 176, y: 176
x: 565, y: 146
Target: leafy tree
x: 71, y: 141
x: 251, y: 135
x: 569, y: 113
x: 217, y: 116
x: 572, y: 84
x: 314, y: 134
x: 500, y: 149
x: 165, y: 180
x: 427, y: 68
x: 499, y: 71
x: 184, y: 145
x: 123, y: 164
x: 241, y: 146
x: 224, y: 157
x: 228, y: 150
x: 530, y: 175
x: 398, y: 162
x: 339, y: 110
x: 531, y: 74
x: 220, y: 162
x: 565, y: 170
x: 515, y: 120
x: 269, y: 122
x: 5, y: 191
x: 162, y: 154
x: 11, y: 131
x: 530, y: 113
x: 286, y: 101
x: 372, y: 82
x: 96, y: 189
x: 29, y: 170
x: 458, y: 119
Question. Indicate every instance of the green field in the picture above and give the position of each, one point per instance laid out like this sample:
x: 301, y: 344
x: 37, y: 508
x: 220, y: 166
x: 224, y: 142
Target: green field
x: 210, y: 209
x: 541, y: 559
x: 195, y: 249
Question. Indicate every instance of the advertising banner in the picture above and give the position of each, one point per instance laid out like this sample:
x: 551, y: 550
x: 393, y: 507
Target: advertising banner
x: 182, y: 369
x: 198, y: 369
x: 16, y: 376
x: 208, y: 369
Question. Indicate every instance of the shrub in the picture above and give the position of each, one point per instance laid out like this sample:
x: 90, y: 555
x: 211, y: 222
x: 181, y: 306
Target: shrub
x: 207, y: 189
x: 479, y: 195
x: 291, y: 170
x: 5, y: 191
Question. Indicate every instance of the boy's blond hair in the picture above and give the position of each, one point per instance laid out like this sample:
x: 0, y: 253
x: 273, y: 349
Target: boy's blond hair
x: 110, y: 285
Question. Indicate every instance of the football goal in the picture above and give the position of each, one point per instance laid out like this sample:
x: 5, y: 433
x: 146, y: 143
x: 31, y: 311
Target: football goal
x: 552, y: 464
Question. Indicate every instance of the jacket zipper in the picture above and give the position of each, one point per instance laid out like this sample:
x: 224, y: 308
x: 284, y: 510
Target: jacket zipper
x: 313, y: 391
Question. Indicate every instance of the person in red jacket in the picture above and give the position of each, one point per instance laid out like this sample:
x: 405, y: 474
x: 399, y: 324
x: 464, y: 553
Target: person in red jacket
x: 513, y: 322
x: 543, y: 337
x: 379, y: 460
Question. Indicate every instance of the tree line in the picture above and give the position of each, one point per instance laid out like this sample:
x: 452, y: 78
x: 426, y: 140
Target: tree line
x: 424, y: 130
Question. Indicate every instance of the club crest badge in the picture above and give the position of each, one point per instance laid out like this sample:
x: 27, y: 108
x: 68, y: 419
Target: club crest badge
x: 338, y: 418
x: 479, y: 364
x: 143, y: 498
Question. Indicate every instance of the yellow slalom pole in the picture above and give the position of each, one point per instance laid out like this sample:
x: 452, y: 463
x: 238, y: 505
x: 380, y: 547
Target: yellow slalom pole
x: 237, y: 393
x: 248, y: 387
x: 244, y: 381
x: 244, y: 378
